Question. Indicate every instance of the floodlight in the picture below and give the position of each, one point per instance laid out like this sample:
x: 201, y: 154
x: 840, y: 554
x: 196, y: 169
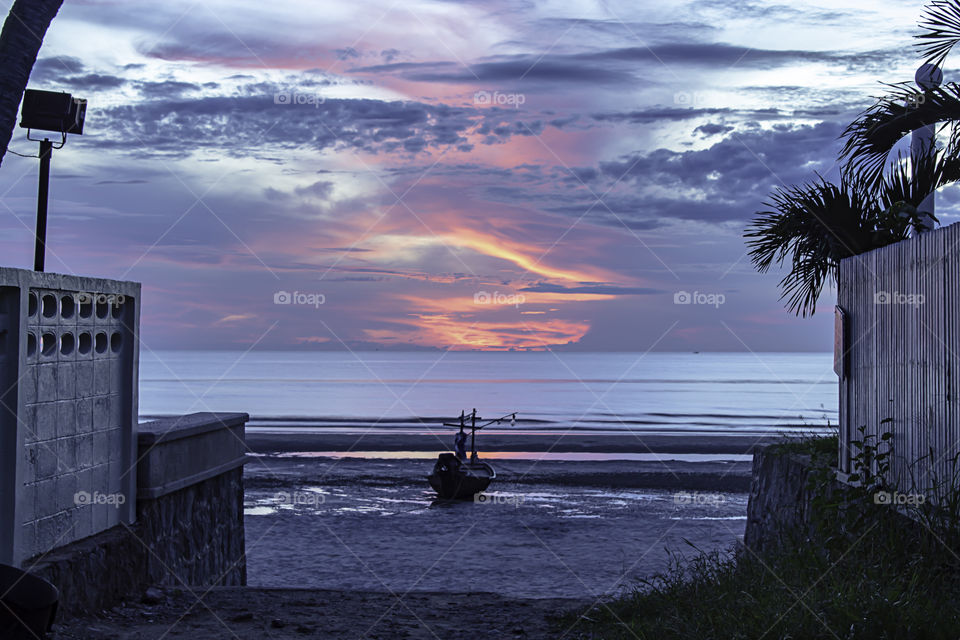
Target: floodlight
x: 49, y: 111
x: 52, y: 111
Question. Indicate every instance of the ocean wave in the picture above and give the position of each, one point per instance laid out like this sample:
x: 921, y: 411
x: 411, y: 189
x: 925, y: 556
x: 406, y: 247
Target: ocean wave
x: 426, y: 381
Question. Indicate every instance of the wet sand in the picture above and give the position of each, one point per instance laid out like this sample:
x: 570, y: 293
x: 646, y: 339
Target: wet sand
x: 717, y: 475
x: 291, y: 440
x: 549, y: 529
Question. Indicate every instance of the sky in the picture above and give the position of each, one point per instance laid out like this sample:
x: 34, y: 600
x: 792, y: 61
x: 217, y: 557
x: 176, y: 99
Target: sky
x: 447, y: 175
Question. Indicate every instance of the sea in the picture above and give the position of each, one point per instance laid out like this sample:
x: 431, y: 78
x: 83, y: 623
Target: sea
x: 676, y: 392
x: 548, y: 526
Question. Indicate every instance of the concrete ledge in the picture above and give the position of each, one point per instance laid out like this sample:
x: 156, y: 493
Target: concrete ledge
x: 27, y: 279
x: 174, y: 453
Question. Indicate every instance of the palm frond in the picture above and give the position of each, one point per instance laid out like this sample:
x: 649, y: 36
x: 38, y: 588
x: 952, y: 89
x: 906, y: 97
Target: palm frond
x: 814, y: 225
x: 872, y: 136
x: 910, y: 179
x: 941, y: 23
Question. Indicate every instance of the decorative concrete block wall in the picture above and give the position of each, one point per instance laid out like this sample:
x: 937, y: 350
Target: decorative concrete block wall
x: 189, y: 527
x: 69, y: 358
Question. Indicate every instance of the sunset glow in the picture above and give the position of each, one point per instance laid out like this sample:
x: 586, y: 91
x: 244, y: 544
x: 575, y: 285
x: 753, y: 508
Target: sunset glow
x: 405, y: 161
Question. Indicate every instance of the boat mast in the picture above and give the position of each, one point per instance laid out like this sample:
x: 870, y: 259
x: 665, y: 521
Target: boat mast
x: 473, y: 435
x: 474, y: 426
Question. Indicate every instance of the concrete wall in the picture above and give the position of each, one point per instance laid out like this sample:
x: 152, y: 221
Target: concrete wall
x: 190, y: 498
x: 189, y: 527
x: 785, y: 509
x: 69, y: 356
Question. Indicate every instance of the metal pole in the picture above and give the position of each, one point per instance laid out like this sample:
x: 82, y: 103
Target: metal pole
x: 923, y: 141
x: 46, y: 150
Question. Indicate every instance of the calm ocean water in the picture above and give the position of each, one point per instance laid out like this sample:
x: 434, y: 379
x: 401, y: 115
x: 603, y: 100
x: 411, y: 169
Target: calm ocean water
x: 402, y: 390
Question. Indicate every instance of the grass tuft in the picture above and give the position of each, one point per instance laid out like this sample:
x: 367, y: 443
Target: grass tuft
x: 870, y: 573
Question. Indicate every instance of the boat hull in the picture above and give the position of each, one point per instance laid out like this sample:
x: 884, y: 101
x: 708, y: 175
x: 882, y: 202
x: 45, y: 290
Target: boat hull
x: 456, y: 480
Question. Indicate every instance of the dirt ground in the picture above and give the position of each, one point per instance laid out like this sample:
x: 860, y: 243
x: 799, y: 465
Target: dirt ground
x: 243, y: 613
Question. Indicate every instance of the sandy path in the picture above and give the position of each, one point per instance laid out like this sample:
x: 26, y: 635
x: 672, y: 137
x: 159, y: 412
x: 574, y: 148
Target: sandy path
x: 242, y: 613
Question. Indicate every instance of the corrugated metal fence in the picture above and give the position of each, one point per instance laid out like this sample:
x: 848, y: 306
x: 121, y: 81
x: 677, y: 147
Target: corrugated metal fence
x: 901, y: 339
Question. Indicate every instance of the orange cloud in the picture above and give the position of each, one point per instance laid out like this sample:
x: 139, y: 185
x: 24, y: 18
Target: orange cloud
x: 519, y: 254
x: 461, y: 322
x: 469, y: 306
x: 234, y: 317
x: 456, y: 334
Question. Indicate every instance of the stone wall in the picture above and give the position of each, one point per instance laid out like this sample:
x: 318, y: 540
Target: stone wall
x: 782, y: 508
x: 779, y: 506
x: 196, y: 534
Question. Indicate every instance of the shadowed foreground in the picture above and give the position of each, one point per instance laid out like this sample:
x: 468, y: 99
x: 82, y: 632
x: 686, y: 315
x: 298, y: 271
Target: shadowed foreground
x: 246, y: 613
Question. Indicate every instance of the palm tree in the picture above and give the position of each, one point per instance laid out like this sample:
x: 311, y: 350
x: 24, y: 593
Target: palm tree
x: 20, y: 41
x: 879, y: 198
x: 816, y: 225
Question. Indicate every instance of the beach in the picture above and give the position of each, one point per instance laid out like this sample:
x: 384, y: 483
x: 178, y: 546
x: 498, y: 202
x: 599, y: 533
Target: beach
x: 544, y: 529
x: 611, y: 474
x: 359, y: 548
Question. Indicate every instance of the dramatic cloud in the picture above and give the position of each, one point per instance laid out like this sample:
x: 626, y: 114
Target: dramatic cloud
x: 446, y: 175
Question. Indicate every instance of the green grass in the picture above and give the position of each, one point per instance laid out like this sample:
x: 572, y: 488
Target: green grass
x: 821, y: 447
x: 875, y: 575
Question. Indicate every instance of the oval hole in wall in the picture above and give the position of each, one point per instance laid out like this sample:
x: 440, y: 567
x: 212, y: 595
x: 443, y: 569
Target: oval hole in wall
x: 100, y: 343
x: 67, y: 306
x: 67, y: 344
x: 48, y: 305
x: 103, y: 307
x: 48, y: 344
x: 85, y: 343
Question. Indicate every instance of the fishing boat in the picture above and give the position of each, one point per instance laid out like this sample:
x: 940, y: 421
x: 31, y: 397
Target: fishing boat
x: 455, y: 477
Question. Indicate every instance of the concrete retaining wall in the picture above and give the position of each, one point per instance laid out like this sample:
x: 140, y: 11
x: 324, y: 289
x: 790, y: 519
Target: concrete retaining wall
x: 779, y: 507
x: 190, y: 498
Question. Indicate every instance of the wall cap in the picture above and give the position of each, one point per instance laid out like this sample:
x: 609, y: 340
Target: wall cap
x: 186, y: 426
